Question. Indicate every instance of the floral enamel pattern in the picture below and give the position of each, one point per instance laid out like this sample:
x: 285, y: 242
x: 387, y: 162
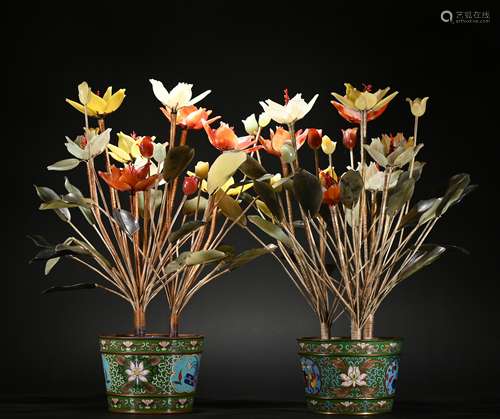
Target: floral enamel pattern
x: 349, y: 377
x: 151, y: 375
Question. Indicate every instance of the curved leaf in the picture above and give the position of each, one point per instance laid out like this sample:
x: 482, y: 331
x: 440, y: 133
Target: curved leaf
x: 87, y: 212
x: 413, y: 216
x: 46, y: 195
x: 400, y: 195
x: 456, y: 188
x: 267, y: 194
x: 60, y: 250
x: 424, y: 257
x: 62, y: 165
x: 223, y: 168
x: 271, y: 229
x: 176, y: 161
x: 49, y: 265
x: 185, y: 229
x: 40, y: 241
x: 229, y: 207
x: 252, y: 168
x: 308, y: 192
x: 74, y: 287
x: 201, y: 257
x: 126, y: 221
x: 249, y: 255
x: 351, y: 186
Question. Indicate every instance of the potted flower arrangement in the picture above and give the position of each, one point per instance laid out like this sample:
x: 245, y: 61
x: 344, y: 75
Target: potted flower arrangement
x: 347, y: 239
x: 157, y: 232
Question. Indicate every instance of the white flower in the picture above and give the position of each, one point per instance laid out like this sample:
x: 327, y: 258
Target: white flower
x: 264, y: 120
x: 136, y: 372
x: 88, y: 145
x: 375, y: 178
x: 251, y: 124
x: 179, y: 96
x: 353, y: 378
x: 84, y: 93
x: 295, y: 109
x: 346, y: 404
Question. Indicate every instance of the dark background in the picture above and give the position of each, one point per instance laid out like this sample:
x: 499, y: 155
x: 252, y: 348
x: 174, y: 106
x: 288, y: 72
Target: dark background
x: 447, y: 314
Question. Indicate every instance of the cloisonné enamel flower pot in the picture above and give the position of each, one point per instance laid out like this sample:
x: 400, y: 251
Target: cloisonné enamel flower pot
x: 151, y: 374
x: 350, y: 377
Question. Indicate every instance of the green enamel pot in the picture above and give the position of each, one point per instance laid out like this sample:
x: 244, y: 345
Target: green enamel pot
x: 152, y: 374
x: 350, y: 377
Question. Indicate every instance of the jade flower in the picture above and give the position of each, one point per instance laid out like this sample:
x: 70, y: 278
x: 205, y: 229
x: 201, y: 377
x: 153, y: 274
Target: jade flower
x: 281, y: 138
x: 376, y: 178
x: 417, y: 106
x: 96, y: 105
x: 391, y: 150
x: 327, y: 145
x: 89, y: 145
x: 130, y: 178
x: 129, y: 148
x: 296, y: 108
x: 353, y: 378
x: 225, y: 139
x: 354, y: 101
x: 136, y: 372
x: 201, y: 169
x: 179, y: 97
x: 252, y: 125
x: 190, y: 117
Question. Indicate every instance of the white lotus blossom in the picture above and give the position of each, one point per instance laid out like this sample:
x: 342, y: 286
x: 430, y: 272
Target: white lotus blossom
x: 89, y: 145
x: 179, y: 96
x: 353, y: 378
x: 295, y: 109
x: 251, y: 124
x: 136, y: 372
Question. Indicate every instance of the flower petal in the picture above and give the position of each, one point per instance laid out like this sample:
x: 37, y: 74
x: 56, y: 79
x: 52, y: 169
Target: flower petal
x: 115, y: 101
x: 199, y: 97
x: 159, y: 91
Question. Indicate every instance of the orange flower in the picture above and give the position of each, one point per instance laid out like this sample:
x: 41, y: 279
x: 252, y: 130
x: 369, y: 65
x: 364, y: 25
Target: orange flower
x: 129, y: 178
x: 224, y: 138
x: 190, y: 117
x: 332, y: 195
x: 354, y: 116
x: 279, y: 138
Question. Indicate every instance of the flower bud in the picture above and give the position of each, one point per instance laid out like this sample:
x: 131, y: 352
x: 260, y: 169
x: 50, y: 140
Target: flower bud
x: 251, y: 125
x: 201, y: 169
x: 328, y: 146
x: 314, y: 138
x: 350, y: 137
x: 147, y: 147
x: 332, y: 195
x: 84, y: 93
x: 264, y: 120
x: 288, y: 154
x: 417, y: 106
x: 190, y: 185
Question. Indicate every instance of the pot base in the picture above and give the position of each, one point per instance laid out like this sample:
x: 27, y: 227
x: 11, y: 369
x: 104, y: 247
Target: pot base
x: 150, y: 405
x: 350, y: 406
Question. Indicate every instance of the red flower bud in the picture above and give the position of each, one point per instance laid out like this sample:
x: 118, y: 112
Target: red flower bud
x: 332, y: 195
x: 190, y: 185
x: 350, y: 137
x: 314, y: 138
x: 147, y: 147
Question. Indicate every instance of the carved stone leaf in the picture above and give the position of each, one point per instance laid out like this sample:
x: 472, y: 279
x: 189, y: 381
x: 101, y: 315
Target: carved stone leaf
x: 87, y: 212
x: 185, y: 229
x: 351, y: 186
x: 400, y: 195
x: 46, y: 195
x: 426, y: 255
x: 229, y: 207
x: 248, y: 256
x: 273, y: 230
x: 74, y: 287
x: 414, y: 215
x: 126, y: 221
x: 176, y: 161
x: 252, y: 168
x: 308, y: 192
x: 191, y: 204
x: 268, y: 195
x: 63, y: 165
x: 223, y: 168
x: 456, y: 188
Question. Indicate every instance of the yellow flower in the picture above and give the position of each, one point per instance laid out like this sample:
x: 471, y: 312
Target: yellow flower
x: 201, y: 169
x: 417, y: 106
x: 98, y: 106
x: 327, y: 145
x: 226, y: 187
x: 127, y: 150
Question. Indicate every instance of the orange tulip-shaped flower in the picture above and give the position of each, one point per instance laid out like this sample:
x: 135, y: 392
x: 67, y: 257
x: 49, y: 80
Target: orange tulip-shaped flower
x: 279, y: 138
x: 224, y: 138
x: 332, y: 195
x: 130, y: 178
x: 190, y: 117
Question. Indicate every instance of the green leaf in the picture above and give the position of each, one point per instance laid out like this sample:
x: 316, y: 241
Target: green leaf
x: 430, y: 213
x: 56, y: 204
x: 87, y: 212
x: 191, y: 204
x: 249, y: 255
x: 418, y: 167
x: 413, y: 216
x: 308, y: 192
x: 185, y: 229
x: 176, y: 161
x: 423, y: 257
x: 49, y: 265
x: 467, y: 191
x: 155, y: 197
x: 194, y: 258
x: 252, y: 168
x: 351, y: 186
x: 40, y: 241
x: 456, y: 188
x: 268, y: 195
x: 229, y: 207
x: 400, y: 195
x: 271, y: 229
x: 74, y: 287
x: 60, y: 250
x: 126, y: 221
x: 46, y: 195
x: 223, y: 168
x: 62, y: 165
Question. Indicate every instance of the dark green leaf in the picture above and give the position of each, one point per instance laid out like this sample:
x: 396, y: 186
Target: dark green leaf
x: 273, y: 230
x: 74, y: 287
x: 423, y: 257
x: 467, y: 191
x: 351, y: 186
x: 176, y: 161
x: 418, y: 167
x: 413, y: 216
x: 229, y: 207
x: 87, y: 212
x: 126, y: 221
x: 249, y: 255
x: 227, y: 249
x: 267, y: 194
x: 308, y: 192
x: 456, y: 188
x: 400, y: 195
x: 252, y: 168
x: 40, y: 241
x: 185, y: 229
x: 60, y: 250
x: 46, y: 195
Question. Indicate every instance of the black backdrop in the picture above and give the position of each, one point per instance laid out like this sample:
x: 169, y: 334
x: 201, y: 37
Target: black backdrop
x: 447, y: 314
